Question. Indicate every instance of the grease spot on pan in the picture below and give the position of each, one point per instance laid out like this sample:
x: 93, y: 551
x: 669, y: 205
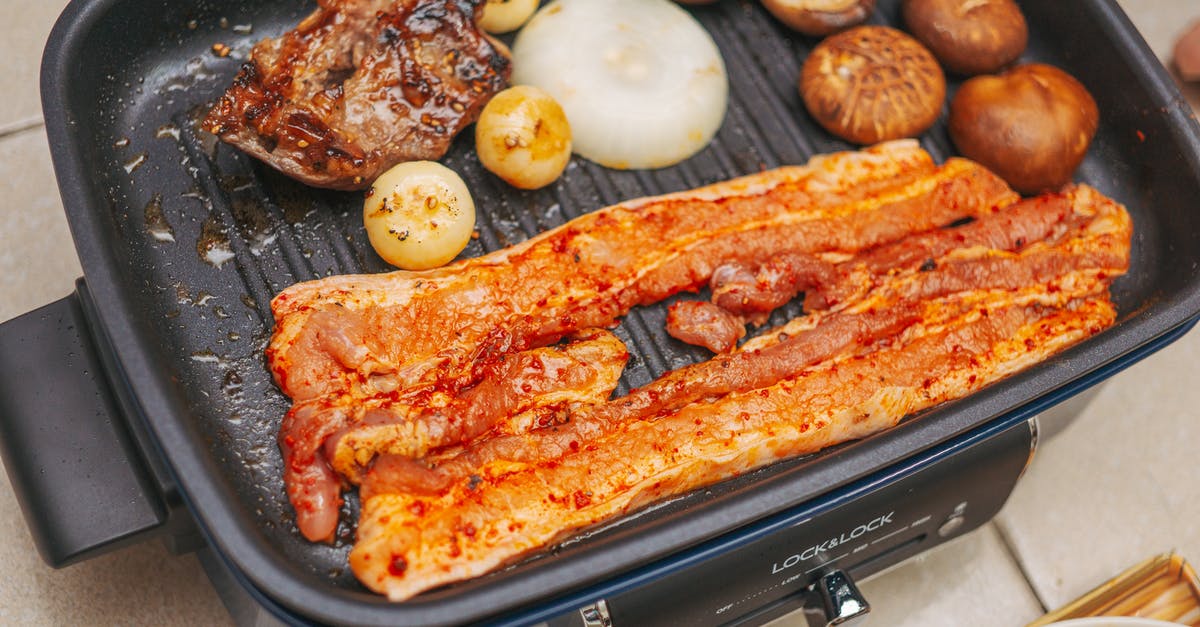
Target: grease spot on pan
x: 133, y: 164
x: 156, y: 221
x: 213, y: 244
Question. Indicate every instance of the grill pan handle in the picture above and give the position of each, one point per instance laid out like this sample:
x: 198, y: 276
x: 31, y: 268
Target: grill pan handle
x: 80, y: 481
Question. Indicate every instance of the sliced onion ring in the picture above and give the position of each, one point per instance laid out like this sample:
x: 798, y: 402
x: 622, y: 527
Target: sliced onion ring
x: 642, y: 83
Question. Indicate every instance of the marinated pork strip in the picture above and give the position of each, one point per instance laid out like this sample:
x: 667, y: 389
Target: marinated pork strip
x: 742, y: 292
x: 1099, y: 247
x: 361, y: 85
x: 354, y: 427
x: 409, y: 543
x: 748, y: 294
x: 1091, y: 243
x: 519, y: 387
x: 1045, y: 217
x: 422, y: 326
x: 756, y: 292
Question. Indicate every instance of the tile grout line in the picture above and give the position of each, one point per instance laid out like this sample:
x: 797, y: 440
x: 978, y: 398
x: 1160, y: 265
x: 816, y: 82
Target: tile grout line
x: 20, y: 127
x: 1012, y: 553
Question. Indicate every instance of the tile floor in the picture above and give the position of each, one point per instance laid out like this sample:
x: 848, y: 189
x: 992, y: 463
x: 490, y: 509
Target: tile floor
x: 1115, y: 487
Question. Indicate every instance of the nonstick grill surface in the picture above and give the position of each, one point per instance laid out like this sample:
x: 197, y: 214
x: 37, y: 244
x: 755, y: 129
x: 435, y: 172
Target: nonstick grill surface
x: 185, y: 241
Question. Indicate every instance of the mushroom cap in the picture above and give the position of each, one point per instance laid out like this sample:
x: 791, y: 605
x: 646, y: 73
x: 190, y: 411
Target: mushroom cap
x: 820, y: 17
x: 969, y: 36
x: 871, y: 84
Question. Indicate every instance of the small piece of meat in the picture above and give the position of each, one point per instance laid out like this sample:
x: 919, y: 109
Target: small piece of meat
x: 361, y: 85
x: 756, y: 294
x: 312, y: 487
x: 396, y: 474
x: 704, y: 324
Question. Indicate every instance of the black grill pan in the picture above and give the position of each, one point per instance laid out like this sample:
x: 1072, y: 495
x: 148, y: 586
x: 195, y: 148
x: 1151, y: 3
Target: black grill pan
x: 184, y: 242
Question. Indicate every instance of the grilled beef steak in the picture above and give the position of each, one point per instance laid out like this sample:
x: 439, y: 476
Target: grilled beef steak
x: 361, y: 85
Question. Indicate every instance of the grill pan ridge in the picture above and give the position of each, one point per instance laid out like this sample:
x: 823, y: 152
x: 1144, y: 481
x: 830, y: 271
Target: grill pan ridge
x: 184, y: 242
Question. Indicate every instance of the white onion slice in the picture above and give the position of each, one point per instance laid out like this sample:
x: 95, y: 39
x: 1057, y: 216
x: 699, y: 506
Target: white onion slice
x: 642, y: 84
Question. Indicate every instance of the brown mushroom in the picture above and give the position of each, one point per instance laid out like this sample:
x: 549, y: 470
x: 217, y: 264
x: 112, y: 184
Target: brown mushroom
x: 820, y: 17
x: 969, y: 36
x: 1031, y: 125
x: 871, y: 84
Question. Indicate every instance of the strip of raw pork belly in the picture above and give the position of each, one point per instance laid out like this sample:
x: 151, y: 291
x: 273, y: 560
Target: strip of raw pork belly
x: 1043, y: 299
x: 740, y: 293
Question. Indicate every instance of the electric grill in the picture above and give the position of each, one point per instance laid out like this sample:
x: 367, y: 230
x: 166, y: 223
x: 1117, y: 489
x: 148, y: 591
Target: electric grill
x: 140, y: 406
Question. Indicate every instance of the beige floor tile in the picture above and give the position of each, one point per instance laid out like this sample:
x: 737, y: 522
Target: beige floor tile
x: 38, y: 263
x: 972, y: 580
x: 141, y: 585
x: 1118, y: 485
x: 24, y: 26
x: 1161, y: 22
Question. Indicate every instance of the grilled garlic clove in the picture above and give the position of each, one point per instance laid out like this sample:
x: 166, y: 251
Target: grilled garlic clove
x: 504, y: 16
x: 523, y: 137
x: 419, y: 215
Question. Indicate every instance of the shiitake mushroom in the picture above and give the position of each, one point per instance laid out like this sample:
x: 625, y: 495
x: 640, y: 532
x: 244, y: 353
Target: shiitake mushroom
x: 820, y: 17
x: 871, y: 84
x: 969, y: 36
x: 1031, y: 125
